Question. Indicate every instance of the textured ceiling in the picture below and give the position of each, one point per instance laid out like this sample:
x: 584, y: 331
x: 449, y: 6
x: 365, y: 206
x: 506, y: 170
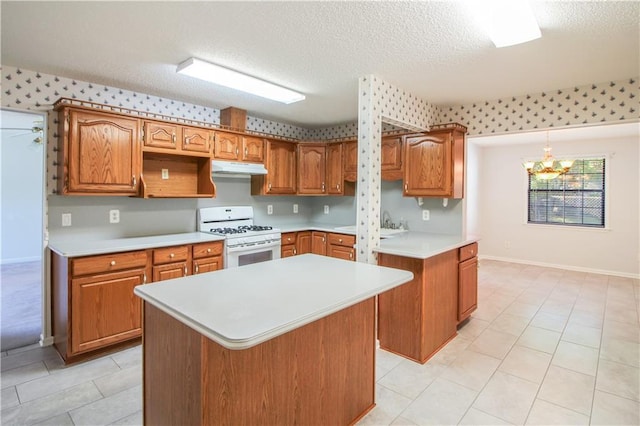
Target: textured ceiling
x: 433, y: 49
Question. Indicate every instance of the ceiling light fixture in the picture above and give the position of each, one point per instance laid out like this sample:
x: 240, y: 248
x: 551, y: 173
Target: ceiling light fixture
x: 548, y: 168
x: 226, y: 77
x: 507, y: 22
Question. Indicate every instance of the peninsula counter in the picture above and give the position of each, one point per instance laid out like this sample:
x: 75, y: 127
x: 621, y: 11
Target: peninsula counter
x: 291, y: 341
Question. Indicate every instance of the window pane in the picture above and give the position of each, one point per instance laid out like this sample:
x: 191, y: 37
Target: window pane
x: 575, y: 198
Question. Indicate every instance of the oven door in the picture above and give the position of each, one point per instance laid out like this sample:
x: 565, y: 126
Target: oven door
x: 246, y: 255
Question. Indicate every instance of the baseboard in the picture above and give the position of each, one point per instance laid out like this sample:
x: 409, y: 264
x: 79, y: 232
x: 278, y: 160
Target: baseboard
x: 565, y: 267
x: 19, y: 260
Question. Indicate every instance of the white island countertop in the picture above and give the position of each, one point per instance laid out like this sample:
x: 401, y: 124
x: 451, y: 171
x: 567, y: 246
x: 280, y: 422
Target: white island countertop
x: 77, y: 246
x: 241, y: 307
x: 422, y: 245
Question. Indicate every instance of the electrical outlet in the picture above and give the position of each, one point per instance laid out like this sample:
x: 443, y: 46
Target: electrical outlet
x: 269, y: 209
x: 295, y: 208
x: 114, y: 216
x: 165, y: 173
x: 426, y: 215
x: 326, y: 209
x: 66, y: 219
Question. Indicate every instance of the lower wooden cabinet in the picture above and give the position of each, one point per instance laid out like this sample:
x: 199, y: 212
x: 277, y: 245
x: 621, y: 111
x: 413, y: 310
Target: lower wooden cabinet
x: 341, y: 246
x: 467, y: 281
x: 93, y: 304
x: 294, y: 243
x: 319, y: 243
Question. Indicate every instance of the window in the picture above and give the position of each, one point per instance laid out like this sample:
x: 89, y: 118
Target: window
x: 575, y: 198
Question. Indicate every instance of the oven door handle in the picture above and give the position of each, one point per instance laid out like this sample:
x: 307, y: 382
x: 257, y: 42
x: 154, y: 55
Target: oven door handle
x: 254, y: 247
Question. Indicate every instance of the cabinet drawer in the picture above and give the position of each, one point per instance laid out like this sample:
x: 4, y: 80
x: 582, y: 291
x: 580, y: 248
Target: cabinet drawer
x: 288, y: 238
x: 467, y: 252
x: 207, y: 249
x: 108, y: 263
x: 170, y: 254
x: 342, y: 240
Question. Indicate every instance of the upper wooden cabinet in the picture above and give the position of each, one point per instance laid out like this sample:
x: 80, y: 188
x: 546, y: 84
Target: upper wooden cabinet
x: 351, y: 161
x: 434, y: 163
x: 99, y: 153
x: 165, y: 137
x: 391, y: 157
x: 195, y: 139
x: 235, y: 147
x: 226, y: 146
x: 280, y: 161
x: 311, y: 169
x: 334, y: 170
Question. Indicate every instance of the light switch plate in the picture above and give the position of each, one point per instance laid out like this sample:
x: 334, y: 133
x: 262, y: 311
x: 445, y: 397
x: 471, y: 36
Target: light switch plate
x: 295, y: 208
x: 269, y: 209
x: 326, y: 209
x: 66, y: 219
x: 426, y: 215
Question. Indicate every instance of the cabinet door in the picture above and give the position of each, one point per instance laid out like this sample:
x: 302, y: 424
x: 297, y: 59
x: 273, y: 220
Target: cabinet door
x: 104, y: 309
x: 351, y: 161
x: 281, y: 167
x: 207, y: 264
x: 311, y: 169
x: 102, y: 154
x: 226, y: 146
x: 252, y: 149
x: 288, y: 250
x: 391, y: 161
x: 169, y: 271
x: 427, y: 170
x: 341, y: 252
x: 319, y: 243
x: 334, y: 169
x: 303, y: 242
x: 160, y: 135
x: 467, y: 288
x: 196, y: 140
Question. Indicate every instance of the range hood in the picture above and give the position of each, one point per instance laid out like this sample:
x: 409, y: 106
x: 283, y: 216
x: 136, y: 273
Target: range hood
x: 235, y: 169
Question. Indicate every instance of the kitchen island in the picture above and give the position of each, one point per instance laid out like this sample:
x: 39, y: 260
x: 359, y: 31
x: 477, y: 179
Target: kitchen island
x: 291, y: 341
x: 419, y: 318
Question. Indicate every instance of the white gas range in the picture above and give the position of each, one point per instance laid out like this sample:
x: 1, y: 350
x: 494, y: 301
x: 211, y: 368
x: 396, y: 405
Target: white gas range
x: 245, y: 243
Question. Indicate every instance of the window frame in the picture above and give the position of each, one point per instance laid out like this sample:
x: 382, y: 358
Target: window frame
x: 579, y: 227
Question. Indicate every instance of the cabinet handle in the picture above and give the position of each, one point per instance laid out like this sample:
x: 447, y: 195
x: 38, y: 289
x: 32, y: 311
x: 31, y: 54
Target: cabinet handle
x: 144, y: 278
x: 269, y: 186
x: 340, y: 240
x: 134, y: 181
x: 323, y: 239
x: 338, y: 187
x: 185, y: 271
x: 208, y: 250
x: 322, y: 186
x: 406, y: 186
x: 294, y: 252
x: 237, y: 151
x: 246, y: 152
x: 173, y: 137
x: 172, y: 255
x: 113, y: 263
x: 350, y: 255
x: 196, y: 268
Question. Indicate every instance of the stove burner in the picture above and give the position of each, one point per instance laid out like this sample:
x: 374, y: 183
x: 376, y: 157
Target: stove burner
x: 225, y: 231
x: 245, y: 228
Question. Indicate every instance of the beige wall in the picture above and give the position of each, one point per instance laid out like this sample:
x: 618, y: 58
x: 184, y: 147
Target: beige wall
x: 498, y: 214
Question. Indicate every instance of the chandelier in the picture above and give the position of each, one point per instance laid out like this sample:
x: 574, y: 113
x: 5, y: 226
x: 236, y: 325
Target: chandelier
x: 548, y: 168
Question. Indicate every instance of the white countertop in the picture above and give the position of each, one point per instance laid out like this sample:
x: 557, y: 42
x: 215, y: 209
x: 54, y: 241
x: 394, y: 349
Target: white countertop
x: 76, y: 246
x: 422, y: 245
x: 242, y: 307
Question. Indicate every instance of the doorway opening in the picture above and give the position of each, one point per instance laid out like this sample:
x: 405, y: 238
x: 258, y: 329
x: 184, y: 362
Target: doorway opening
x: 22, y: 184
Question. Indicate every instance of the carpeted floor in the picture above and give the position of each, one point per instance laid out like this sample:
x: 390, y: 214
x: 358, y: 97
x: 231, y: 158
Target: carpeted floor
x: 21, y: 302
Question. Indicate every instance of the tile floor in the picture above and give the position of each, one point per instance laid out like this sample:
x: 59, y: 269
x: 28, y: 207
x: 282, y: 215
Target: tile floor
x: 545, y: 346
x: 20, y: 303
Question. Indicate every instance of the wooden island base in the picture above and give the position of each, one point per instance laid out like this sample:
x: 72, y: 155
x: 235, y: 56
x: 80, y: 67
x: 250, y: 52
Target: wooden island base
x: 321, y: 373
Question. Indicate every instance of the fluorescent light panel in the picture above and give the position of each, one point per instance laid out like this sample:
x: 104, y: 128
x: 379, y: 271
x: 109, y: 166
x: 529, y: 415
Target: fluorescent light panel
x: 507, y: 22
x: 225, y: 77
